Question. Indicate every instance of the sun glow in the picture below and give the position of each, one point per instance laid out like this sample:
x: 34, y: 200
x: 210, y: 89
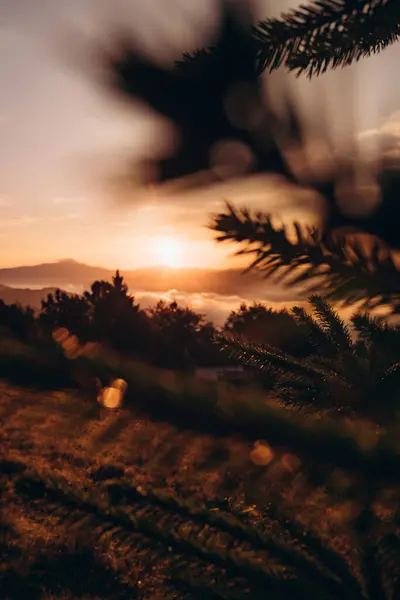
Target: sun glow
x: 169, y: 252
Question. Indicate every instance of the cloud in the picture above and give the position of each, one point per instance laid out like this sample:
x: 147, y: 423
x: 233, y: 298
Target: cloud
x: 22, y: 220
x: 4, y: 201
x: 215, y: 307
x: 384, y: 139
x: 270, y: 193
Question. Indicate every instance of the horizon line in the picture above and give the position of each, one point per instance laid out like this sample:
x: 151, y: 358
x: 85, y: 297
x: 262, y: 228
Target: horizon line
x: 113, y: 269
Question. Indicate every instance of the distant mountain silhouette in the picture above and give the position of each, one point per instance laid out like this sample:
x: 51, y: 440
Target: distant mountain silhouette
x: 71, y: 275
x: 56, y: 274
x: 24, y: 296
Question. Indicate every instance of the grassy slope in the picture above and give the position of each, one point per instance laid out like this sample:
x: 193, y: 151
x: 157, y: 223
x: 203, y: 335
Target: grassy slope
x: 68, y: 437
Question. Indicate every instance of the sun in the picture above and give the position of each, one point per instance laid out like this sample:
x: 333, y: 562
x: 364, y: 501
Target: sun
x: 169, y: 252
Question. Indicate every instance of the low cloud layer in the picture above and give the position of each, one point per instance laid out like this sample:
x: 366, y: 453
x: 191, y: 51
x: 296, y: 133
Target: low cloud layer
x: 215, y: 307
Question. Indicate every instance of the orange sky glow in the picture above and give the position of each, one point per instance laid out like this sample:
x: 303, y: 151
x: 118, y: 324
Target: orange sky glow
x: 60, y: 139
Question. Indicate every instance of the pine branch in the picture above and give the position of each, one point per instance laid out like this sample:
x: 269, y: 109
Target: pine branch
x: 315, y: 572
x: 341, y: 379
x: 339, y: 269
x: 388, y: 384
x: 260, y: 569
x: 327, y: 33
x: 376, y: 331
x: 237, y: 527
x: 316, y: 381
x: 259, y: 356
x: 315, y: 334
x: 315, y: 37
x: 326, y: 568
x: 315, y: 544
x: 332, y: 324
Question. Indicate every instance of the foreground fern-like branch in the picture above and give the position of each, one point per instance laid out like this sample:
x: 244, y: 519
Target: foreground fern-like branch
x: 291, y: 569
x: 327, y: 33
x: 340, y: 269
x: 317, y: 36
x: 262, y: 569
x: 360, y: 376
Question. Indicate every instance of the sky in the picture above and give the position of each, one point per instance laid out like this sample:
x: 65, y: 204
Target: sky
x: 60, y: 133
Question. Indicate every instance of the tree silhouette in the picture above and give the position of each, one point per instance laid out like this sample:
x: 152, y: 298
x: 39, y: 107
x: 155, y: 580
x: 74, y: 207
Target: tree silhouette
x: 166, y: 335
x: 263, y: 325
x: 17, y: 320
x: 182, y: 339
x: 357, y: 371
x: 115, y: 318
x: 66, y: 310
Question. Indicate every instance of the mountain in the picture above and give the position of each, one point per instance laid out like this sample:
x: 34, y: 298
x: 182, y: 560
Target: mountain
x: 57, y: 274
x: 71, y: 275
x: 24, y: 296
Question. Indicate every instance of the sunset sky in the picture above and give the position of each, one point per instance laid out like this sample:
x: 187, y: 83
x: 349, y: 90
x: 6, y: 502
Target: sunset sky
x: 59, y: 131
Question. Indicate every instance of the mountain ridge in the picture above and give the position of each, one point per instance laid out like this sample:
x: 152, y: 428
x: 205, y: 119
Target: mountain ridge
x: 73, y: 276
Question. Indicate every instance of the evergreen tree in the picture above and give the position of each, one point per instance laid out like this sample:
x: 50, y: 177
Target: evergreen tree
x: 115, y: 318
x: 357, y: 371
x: 176, y: 335
x: 17, y: 320
x: 278, y: 328
x: 71, y: 311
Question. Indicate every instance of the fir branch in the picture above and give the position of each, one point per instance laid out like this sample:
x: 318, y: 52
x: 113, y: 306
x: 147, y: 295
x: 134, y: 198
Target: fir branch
x: 332, y: 324
x: 339, y: 269
x: 315, y: 545
x: 260, y: 356
x: 123, y: 492
x: 376, y: 331
x: 345, y: 378
x: 238, y: 528
x: 314, y: 37
x: 327, y: 33
x: 59, y: 495
x: 315, y: 334
x: 387, y: 386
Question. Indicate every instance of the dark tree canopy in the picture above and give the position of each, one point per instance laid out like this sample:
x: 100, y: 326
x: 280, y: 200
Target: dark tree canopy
x: 263, y: 325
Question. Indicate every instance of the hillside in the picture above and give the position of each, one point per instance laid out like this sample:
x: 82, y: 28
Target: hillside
x: 24, y: 296
x: 113, y: 504
x: 74, y: 276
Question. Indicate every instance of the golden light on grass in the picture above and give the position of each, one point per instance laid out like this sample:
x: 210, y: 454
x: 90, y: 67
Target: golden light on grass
x: 119, y: 384
x: 60, y: 334
x: 69, y: 343
x: 110, y: 397
x: 262, y: 454
x: 113, y: 395
x: 71, y: 347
